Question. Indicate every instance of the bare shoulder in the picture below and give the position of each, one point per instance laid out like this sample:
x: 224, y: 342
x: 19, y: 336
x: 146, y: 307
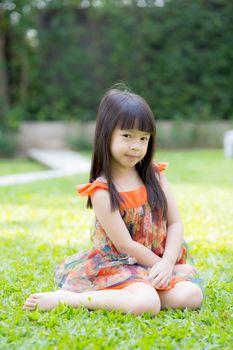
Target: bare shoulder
x: 162, y: 179
x: 101, y: 198
x: 160, y: 175
x: 111, y: 221
x: 173, y: 215
x: 165, y: 185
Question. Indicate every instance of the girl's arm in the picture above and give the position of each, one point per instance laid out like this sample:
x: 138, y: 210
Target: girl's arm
x: 116, y: 230
x: 174, y: 238
x: 161, y: 272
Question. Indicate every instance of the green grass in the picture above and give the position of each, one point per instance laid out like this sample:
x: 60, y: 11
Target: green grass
x: 19, y: 165
x: 44, y: 221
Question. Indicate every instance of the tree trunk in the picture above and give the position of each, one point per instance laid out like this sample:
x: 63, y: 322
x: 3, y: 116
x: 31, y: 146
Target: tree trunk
x: 4, y: 92
x: 23, y: 83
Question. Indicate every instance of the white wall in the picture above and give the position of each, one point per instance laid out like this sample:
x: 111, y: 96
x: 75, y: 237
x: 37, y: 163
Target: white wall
x: 53, y: 135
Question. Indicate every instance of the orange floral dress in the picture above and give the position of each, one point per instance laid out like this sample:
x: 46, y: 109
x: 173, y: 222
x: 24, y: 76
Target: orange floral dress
x: 103, y: 267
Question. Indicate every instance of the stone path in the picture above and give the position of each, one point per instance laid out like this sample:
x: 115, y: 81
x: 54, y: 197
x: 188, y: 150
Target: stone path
x: 62, y: 162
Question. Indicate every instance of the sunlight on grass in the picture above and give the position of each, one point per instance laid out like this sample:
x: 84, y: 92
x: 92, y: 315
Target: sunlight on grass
x: 17, y: 165
x: 45, y: 221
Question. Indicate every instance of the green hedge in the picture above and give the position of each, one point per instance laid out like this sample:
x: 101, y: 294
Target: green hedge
x: 177, y: 56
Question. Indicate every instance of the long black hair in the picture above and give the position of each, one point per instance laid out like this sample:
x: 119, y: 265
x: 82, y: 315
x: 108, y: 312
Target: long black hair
x: 120, y: 108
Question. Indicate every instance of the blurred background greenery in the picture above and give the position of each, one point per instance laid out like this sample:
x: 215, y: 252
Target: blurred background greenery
x: 58, y: 57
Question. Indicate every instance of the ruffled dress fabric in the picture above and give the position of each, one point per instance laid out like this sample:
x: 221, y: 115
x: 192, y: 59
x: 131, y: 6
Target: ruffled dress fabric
x: 103, y: 267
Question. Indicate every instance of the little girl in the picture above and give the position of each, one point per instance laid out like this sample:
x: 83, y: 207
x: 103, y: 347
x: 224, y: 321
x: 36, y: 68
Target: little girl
x: 138, y: 261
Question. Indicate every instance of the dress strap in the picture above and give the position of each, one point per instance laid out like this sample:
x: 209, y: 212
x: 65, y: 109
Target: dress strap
x: 89, y: 188
x: 160, y: 166
x: 100, y: 182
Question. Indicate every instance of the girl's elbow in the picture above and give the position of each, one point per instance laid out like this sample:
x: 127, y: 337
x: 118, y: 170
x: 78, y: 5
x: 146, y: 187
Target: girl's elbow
x: 181, y: 226
x: 177, y: 226
x: 125, y: 248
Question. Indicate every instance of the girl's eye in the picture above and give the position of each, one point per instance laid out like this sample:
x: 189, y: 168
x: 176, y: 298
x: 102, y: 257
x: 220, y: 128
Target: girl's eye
x: 144, y: 139
x: 127, y: 136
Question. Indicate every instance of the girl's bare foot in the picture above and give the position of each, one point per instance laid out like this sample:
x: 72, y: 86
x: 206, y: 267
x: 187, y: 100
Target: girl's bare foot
x: 47, y: 300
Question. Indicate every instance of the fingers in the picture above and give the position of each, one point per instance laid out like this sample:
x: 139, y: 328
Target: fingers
x: 158, y: 279
x: 186, y: 269
x: 155, y: 271
x: 195, y: 270
x: 192, y: 270
x: 163, y: 283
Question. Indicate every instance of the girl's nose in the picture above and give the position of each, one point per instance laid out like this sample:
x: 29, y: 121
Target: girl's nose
x: 135, y: 147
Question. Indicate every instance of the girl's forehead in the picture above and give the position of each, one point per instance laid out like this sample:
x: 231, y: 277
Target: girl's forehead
x: 133, y: 131
x: 139, y: 122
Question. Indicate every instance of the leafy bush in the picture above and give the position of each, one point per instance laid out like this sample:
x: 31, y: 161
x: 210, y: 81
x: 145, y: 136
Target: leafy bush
x: 178, y: 58
x: 80, y: 143
x: 8, y: 143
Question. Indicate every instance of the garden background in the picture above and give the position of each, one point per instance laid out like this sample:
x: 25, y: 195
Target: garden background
x: 57, y: 58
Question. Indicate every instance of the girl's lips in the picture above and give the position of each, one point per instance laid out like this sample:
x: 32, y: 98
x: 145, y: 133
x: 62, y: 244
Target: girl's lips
x: 132, y: 157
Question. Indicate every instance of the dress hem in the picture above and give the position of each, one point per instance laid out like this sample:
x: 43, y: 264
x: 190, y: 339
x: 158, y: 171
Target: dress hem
x: 126, y: 284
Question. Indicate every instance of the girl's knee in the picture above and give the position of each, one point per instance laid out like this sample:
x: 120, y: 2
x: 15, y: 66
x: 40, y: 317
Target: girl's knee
x: 194, y: 297
x: 198, y: 297
x: 150, y: 302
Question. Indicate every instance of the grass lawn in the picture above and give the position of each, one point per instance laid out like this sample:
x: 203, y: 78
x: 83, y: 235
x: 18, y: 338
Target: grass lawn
x: 44, y: 221
x: 18, y: 165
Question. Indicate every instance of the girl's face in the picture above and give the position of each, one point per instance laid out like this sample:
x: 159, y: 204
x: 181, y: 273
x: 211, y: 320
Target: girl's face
x: 128, y: 147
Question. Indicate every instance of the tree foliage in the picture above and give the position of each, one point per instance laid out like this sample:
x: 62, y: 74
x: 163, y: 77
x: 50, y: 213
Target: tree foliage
x: 178, y: 56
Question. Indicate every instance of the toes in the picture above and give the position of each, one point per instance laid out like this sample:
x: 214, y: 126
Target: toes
x: 33, y: 300
x: 28, y: 303
x: 35, y: 296
x: 31, y: 303
x: 28, y: 307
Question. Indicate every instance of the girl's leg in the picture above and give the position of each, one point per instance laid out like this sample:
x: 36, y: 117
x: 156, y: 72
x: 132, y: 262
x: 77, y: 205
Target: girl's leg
x: 184, y: 294
x: 136, y: 298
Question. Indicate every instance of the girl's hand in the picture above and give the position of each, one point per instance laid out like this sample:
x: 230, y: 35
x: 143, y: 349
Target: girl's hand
x: 161, y: 273
x: 185, y: 269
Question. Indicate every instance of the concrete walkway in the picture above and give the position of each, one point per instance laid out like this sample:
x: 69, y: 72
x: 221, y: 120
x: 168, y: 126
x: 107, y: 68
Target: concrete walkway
x: 62, y: 162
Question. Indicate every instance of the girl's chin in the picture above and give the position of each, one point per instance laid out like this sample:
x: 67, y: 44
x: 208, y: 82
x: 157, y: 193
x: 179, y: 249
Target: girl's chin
x: 132, y: 159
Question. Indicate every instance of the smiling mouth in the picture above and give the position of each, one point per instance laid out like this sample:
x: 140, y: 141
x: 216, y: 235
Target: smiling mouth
x: 133, y: 157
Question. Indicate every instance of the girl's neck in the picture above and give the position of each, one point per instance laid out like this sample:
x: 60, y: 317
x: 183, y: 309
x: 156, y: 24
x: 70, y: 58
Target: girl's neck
x: 126, y: 180
x: 122, y: 173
